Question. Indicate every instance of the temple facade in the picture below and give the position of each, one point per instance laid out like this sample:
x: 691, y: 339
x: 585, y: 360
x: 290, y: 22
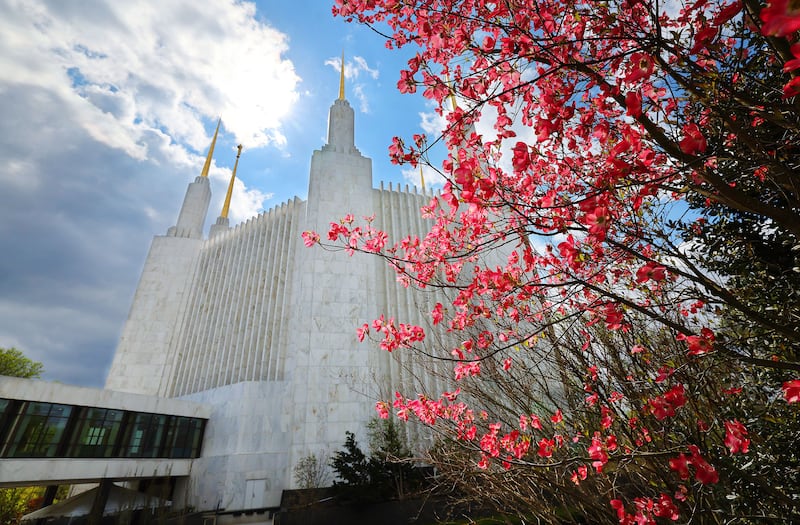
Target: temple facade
x: 262, y: 329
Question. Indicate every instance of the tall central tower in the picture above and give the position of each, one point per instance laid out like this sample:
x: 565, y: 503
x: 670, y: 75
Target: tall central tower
x: 335, y: 295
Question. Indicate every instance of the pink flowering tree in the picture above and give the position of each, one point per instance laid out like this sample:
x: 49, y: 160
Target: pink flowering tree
x: 621, y: 208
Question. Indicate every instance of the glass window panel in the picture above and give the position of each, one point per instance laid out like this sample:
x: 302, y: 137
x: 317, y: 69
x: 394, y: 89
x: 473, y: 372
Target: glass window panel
x: 7, y: 417
x: 136, y: 440
x: 144, y: 436
x: 95, y: 436
x: 172, y: 431
x: 197, y: 434
x: 183, y: 438
x: 40, y: 430
x: 96, y: 433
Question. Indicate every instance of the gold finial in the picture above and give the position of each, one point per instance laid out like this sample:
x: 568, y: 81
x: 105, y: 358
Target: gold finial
x: 453, y: 95
x: 451, y: 89
x: 227, y: 204
x: 207, y: 165
x: 341, y: 79
x: 422, y: 178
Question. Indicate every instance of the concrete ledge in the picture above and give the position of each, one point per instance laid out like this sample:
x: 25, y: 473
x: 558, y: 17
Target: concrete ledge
x: 56, y: 471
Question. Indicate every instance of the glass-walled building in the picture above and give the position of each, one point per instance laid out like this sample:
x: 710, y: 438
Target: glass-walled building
x: 34, y: 429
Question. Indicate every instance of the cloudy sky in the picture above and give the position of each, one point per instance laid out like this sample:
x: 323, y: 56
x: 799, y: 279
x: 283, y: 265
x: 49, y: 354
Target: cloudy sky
x: 108, y: 108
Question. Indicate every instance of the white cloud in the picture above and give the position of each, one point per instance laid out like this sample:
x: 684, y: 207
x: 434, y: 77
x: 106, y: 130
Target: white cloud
x: 353, y: 68
x: 432, y: 123
x: 125, y: 68
x: 246, y: 203
x: 360, y: 65
x: 363, y: 103
x: 20, y: 174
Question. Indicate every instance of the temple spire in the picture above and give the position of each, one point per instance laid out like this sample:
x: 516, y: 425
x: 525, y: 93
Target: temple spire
x: 341, y: 124
x: 422, y: 178
x: 341, y: 78
x: 192, y: 216
x: 227, y: 204
x: 207, y: 165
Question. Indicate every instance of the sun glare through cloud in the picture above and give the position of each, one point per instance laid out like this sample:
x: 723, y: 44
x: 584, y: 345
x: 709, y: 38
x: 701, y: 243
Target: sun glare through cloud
x: 174, y: 67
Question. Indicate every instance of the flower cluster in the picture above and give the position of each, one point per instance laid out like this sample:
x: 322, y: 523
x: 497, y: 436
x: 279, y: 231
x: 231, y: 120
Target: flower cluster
x: 563, y: 243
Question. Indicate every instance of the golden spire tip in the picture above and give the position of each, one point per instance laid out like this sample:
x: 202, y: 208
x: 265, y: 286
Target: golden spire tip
x: 452, y: 90
x: 226, y: 206
x: 207, y: 165
x: 341, y: 78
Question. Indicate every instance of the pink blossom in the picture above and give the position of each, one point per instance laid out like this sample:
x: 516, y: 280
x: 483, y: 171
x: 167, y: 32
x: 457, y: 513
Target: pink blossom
x: 310, y: 238
x: 791, y: 391
x: 641, y: 67
x: 651, y: 270
x: 693, y: 141
x: 383, y: 409
x: 780, y: 18
x: 736, y: 437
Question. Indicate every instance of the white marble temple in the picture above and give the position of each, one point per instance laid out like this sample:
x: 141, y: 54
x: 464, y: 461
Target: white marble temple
x: 263, y: 330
